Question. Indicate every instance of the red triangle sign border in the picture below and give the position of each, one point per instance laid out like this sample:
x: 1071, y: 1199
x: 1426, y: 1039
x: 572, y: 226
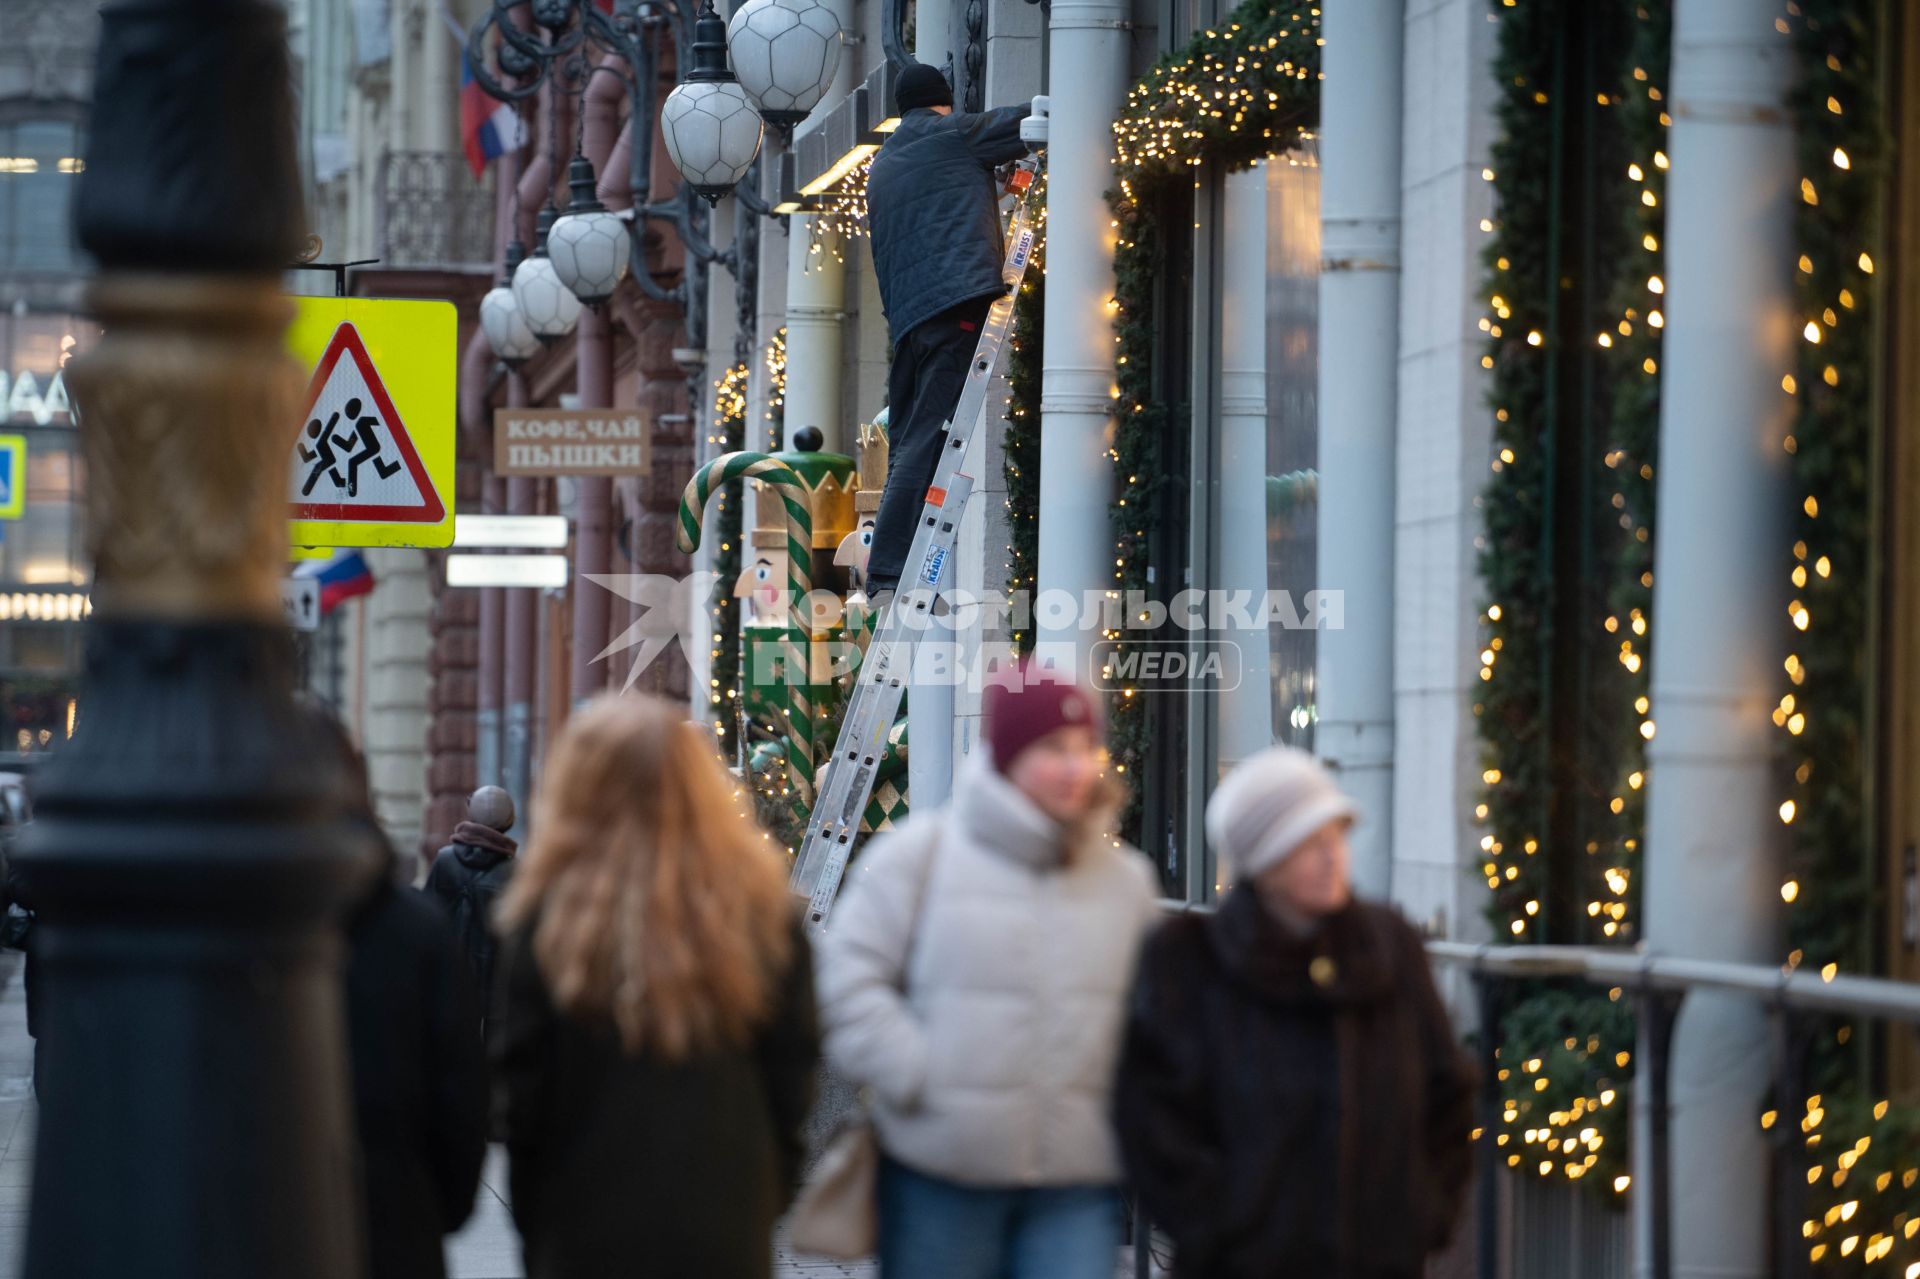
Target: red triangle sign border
x: 347, y: 339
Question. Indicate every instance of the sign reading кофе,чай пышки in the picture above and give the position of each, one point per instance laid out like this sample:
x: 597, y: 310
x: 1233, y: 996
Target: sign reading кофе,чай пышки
x: 529, y: 442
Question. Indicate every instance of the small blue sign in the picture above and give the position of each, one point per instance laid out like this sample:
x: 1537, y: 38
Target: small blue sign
x: 13, y: 476
x: 936, y: 560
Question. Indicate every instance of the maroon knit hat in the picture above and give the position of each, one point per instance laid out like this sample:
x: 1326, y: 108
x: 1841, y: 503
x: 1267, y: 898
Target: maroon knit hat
x: 1027, y: 703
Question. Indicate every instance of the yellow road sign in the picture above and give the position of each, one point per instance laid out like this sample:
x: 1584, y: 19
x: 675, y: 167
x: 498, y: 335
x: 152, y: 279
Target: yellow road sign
x: 373, y: 463
x: 13, y: 476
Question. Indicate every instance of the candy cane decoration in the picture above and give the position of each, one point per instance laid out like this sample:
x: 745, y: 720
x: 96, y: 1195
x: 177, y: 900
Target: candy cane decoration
x: 793, y: 496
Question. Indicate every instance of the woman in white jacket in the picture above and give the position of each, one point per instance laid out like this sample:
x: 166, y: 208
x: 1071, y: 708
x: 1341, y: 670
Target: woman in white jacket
x: 974, y: 978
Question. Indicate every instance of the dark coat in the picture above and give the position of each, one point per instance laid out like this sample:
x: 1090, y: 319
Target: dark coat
x: 933, y: 211
x: 419, y: 1080
x: 467, y: 878
x: 1294, y: 1106
x: 625, y: 1164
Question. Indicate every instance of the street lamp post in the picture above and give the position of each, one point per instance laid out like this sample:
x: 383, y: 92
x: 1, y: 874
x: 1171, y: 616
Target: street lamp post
x: 583, y: 261
x: 195, y: 847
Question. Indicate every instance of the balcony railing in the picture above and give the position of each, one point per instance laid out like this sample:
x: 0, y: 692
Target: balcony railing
x: 432, y: 212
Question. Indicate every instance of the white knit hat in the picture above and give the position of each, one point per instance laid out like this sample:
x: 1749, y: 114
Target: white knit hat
x: 1268, y: 804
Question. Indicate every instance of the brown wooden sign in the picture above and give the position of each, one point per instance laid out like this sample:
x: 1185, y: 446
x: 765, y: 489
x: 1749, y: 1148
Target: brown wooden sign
x: 570, y: 442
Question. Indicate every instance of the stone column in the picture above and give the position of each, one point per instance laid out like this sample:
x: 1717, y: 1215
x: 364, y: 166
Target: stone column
x: 1359, y: 353
x: 1246, y: 711
x: 1714, y: 838
x: 1088, y: 86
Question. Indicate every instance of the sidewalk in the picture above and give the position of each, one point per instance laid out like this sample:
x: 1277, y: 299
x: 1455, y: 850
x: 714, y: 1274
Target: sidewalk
x: 489, y: 1248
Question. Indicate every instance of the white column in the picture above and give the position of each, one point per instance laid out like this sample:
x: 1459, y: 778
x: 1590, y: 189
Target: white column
x: 816, y: 322
x: 1359, y: 332
x: 722, y: 324
x: 1246, y: 712
x: 440, y: 66
x: 932, y: 31
x: 770, y: 315
x: 1088, y: 84
x: 1443, y: 442
x: 1713, y: 834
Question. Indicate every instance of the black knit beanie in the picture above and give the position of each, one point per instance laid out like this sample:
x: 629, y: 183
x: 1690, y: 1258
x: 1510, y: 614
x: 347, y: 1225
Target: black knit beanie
x: 922, y: 86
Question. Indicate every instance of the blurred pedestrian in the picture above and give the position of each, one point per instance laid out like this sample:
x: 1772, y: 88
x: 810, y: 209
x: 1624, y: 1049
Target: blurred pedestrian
x: 468, y: 877
x: 974, y: 977
x: 419, y: 1067
x: 658, y: 1041
x: 1291, y: 1099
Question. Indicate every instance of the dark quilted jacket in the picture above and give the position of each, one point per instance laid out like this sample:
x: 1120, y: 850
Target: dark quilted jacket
x: 933, y: 213
x: 467, y: 880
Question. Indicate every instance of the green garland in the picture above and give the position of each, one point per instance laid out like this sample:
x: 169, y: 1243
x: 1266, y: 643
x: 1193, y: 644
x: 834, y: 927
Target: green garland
x: 1620, y: 674
x: 730, y: 429
x: 1861, y: 1172
x: 1837, y: 230
x: 1567, y: 1116
x: 1511, y: 712
x: 1021, y: 444
x: 1229, y: 98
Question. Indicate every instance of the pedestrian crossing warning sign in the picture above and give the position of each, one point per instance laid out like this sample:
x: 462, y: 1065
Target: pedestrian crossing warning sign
x: 372, y: 464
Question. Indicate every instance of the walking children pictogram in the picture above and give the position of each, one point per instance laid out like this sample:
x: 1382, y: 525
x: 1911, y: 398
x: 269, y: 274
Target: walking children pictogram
x: 354, y: 459
x: 323, y: 458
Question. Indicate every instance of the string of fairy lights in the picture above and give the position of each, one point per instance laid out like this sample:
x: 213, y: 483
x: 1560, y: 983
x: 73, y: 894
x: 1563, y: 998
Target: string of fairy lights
x: 1230, y: 97
x: 1862, y: 1152
x: 1565, y: 1107
x: 1020, y: 446
x: 771, y: 791
x: 839, y: 216
x: 728, y: 433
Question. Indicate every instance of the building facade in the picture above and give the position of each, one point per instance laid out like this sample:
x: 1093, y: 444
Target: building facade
x: 46, y: 76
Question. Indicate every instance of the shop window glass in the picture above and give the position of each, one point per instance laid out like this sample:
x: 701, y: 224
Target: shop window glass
x: 40, y: 163
x: 1293, y: 311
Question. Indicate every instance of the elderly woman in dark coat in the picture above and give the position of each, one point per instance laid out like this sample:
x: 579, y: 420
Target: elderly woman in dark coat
x: 1291, y: 1100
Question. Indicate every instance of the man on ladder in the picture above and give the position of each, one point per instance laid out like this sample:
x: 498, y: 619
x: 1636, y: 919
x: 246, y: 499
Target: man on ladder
x: 934, y: 220
x: 933, y: 216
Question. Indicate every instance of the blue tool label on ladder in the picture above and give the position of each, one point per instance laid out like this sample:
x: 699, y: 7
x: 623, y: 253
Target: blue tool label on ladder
x: 1021, y: 248
x: 936, y: 560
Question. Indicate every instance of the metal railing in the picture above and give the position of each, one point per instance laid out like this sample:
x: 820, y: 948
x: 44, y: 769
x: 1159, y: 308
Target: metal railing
x: 432, y: 211
x: 1660, y: 985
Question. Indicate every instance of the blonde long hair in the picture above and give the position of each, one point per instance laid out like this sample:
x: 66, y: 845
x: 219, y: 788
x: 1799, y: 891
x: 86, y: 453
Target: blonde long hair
x: 655, y: 900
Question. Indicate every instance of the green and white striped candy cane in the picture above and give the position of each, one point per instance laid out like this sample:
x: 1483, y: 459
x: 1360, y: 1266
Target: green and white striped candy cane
x: 793, y: 496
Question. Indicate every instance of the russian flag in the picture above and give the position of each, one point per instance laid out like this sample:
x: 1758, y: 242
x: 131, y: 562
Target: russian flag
x: 342, y: 575
x: 489, y: 128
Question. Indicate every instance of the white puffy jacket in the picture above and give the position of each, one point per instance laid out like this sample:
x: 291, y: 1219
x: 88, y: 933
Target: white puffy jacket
x: 989, y: 1033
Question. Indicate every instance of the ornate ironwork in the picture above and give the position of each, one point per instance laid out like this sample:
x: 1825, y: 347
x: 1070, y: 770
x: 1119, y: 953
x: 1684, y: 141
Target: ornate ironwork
x: 630, y: 34
x: 432, y: 211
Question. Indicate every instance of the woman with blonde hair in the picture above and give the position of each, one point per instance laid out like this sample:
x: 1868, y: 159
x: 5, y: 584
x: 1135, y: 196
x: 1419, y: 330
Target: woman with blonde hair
x: 658, y: 1044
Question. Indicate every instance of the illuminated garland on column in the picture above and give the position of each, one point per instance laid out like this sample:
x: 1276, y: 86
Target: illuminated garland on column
x: 1021, y: 450
x: 1567, y: 1054
x: 1231, y: 97
x: 1619, y: 667
x: 728, y: 436
x: 1862, y: 1169
x: 776, y: 360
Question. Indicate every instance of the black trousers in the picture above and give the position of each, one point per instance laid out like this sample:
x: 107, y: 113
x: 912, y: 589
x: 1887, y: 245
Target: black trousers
x: 929, y: 370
